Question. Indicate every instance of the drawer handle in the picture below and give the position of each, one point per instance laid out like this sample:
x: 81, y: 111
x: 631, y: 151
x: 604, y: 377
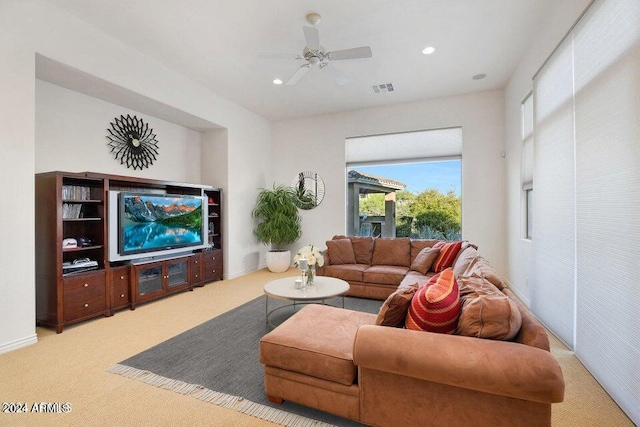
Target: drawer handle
x: 196, y: 276
x: 121, y: 295
x: 121, y: 277
x: 196, y: 262
x: 86, y: 305
x: 213, y: 271
x: 86, y: 285
x: 213, y: 258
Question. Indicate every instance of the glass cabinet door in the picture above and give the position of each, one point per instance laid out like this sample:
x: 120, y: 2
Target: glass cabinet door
x: 177, y: 272
x: 150, y: 279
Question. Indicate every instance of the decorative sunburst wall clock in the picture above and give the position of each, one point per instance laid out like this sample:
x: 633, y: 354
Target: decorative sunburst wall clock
x: 132, y: 142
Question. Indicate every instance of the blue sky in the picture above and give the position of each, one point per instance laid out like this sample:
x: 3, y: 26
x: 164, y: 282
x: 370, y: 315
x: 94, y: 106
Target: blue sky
x: 443, y: 176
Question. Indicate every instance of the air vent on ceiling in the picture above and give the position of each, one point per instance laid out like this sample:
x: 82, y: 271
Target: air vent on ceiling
x: 385, y: 87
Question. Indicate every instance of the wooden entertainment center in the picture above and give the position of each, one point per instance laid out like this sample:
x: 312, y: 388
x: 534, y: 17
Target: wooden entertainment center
x: 72, y: 223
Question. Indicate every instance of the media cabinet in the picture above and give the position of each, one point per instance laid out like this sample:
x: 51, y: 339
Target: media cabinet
x: 70, y: 204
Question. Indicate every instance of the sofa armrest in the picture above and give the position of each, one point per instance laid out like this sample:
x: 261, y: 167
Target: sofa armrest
x: 496, y: 367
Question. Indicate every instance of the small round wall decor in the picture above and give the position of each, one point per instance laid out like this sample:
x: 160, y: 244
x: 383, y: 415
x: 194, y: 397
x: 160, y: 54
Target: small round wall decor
x: 309, y: 189
x: 133, y: 142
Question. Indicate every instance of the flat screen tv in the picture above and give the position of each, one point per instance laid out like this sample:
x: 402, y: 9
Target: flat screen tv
x: 152, y: 224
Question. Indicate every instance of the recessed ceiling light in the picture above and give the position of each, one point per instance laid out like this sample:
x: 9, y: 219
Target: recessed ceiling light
x: 277, y: 81
x: 479, y: 76
x: 428, y: 50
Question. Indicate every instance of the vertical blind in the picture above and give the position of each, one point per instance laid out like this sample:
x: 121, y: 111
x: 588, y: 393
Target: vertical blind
x: 587, y: 198
x: 553, y: 251
x: 607, y: 122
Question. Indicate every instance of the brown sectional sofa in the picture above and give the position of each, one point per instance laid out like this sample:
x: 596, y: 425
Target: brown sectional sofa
x: 340, y: 361
x: 381, y: 265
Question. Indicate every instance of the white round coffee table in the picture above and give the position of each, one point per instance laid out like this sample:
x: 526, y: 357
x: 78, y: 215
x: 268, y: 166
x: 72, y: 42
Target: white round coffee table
x: 322, y: 289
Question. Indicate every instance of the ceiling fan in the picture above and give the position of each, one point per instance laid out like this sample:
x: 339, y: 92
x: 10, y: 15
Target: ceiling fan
x: 315, y: 54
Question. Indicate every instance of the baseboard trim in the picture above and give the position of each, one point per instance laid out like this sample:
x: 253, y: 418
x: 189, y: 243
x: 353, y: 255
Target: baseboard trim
x: 244, y: 272
x: 19, y: 343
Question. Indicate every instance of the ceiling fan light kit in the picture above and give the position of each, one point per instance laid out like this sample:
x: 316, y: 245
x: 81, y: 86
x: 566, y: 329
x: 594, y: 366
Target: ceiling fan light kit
x: 314, y: 18
x: 316, y: 55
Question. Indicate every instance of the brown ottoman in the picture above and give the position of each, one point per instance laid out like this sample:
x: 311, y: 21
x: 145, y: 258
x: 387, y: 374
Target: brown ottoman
x: 309, y: 359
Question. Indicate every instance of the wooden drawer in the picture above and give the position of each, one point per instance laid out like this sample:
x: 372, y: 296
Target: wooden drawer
x: 83, y: 308
x: 84, y: 296
x: 212, y: 265
x: 196, y: 269
x: 120, y: 284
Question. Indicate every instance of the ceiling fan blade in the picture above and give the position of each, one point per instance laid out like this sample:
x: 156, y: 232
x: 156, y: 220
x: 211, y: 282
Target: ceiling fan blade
x: 312, y: 37
x: 337, y: 75
x: 279, y: 56
x: 298, y: 75
x: 354, y: 53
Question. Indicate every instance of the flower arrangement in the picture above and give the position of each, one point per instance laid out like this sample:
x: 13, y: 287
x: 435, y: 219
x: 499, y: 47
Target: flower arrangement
x: 312, y: 254
x: 314, y: 258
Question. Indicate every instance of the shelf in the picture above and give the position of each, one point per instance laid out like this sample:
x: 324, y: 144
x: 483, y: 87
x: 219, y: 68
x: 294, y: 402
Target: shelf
x: 81, y: 219
x: 82, y: 248
x: 77, y: 273
x: 81, y: 201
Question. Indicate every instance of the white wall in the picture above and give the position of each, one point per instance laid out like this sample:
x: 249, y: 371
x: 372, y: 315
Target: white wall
x: 318, y: 144
x: 553, y: 28
x: 32, y: 26
x: 71, y: 131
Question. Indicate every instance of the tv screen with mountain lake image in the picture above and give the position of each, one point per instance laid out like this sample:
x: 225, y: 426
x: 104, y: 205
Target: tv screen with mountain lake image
x: 152, y: 222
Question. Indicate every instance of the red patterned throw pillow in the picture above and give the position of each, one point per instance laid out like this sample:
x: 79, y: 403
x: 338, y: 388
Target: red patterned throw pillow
x: 435, y: 307
x: 448, y: 253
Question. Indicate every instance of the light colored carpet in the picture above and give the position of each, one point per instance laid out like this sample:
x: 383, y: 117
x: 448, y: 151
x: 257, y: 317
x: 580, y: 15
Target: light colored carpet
x: 219, y: 361
x: 72, y: 367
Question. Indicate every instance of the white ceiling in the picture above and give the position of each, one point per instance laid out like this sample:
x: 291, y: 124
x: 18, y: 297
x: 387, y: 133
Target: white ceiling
x: 217, y: 43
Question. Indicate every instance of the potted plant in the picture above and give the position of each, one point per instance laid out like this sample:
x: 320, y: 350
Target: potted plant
x: 278, y: 224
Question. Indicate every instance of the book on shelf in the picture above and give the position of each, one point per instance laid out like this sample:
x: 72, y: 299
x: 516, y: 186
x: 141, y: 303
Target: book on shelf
x: 71, y: 210
x: 76, y: 192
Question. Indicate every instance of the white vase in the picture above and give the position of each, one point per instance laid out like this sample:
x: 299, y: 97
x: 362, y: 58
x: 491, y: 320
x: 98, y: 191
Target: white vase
x: 278, y: 261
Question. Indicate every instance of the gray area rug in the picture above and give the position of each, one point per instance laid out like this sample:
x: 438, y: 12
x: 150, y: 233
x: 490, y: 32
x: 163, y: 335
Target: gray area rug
x: 218, y: 362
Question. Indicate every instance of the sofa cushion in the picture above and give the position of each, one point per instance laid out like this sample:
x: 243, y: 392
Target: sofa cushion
x: 486, y: 311
x: 477, y: 266
x: 419, y: 244
x: 340, y: 252
x: 435, y: 307
x: 392, y: 251
x: 464, y: 260
x: 348, y: 272
x: 465, y: 245
x: 489, y: 316
x: 489, y: 273
x: 310, y: 343
x: 384, y: 274
x: 532, y: 332
x: 394, y: 310
x: 448, y: 252
x: 470, y: 285
x: 424, y: 260
x: 413, y: 277
x: 362, y: 247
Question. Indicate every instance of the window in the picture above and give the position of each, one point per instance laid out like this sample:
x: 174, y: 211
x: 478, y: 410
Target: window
x: 527, y: 164
x: 406, y: 185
